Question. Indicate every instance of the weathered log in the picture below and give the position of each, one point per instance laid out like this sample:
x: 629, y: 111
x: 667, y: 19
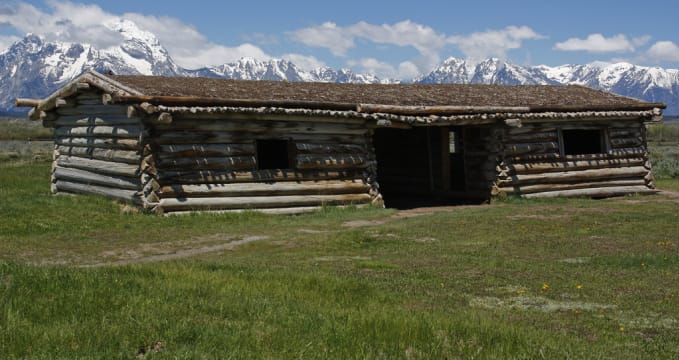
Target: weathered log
x: 533, y: 129
x: 190, y: 115
x: 148, y: 107
x: 339, y: 161
x: 529, y: 189
x: 177, y: 137
x: 213, y: 176
x: 99, y: 166
x: 88, y: 177
x: 537, y: 137
x: 99, y: 120
x: 438, y: 110
x: 308, y: 148
x: 22, y: 102
x: 596, y: 192
x: 122, y: 131
x: 175, y: 204
x: 531, y: 148
x: 113, y: 193
x: 265, y: 189
x: 625, y: 133
x: 93, y: 110
x: 106, y: 143
x: 274, y: 211
x: 197, y: 150
x: 569, y: 176
x: 612, y: 154
x: 264, y: 126
x: 64, y: 103
x: 125, y: 156
x: 206, y: 163
x: 527, y: 168
x: 626, y: 142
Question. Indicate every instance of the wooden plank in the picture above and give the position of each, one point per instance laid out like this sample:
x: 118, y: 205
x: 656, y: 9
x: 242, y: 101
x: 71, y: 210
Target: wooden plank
x: 124, y: 156
x: 596, y: 192
x: 626, y: 142
x: 265, y: 127
x: 612, y: 154
x: 315, y: 148
x: 273, y: 211
x: 571, y: 176
x: 122, y: 131
x: 221, y: 176
x: 98, y: 166
x: 99, y: 120
x: 530, y: 189
x: 265, y: 189
x: 93, y: 110
x: 531, y: 148
x: 205, y: 163
x: 541, y: 167
x: 339, y: 161
x: 198, y: 150
x: 88, y: 189
x: 88, y: 177
x: 175, y: 204
x: 178, y: 137
x: 105, y: 143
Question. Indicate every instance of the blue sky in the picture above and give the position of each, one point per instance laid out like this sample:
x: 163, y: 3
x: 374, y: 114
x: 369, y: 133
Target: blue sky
x: 391, y: 38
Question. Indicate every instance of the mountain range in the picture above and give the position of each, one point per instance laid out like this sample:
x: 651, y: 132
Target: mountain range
x: 34, y: 67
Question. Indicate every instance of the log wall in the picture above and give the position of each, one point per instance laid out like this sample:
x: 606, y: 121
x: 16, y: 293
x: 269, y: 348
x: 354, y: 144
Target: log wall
x: 98, y: 148
x: 203, y: 162
x: 532, y: 162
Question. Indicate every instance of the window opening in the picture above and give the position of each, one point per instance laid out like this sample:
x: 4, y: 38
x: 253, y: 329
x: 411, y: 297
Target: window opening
x: 583, y: 141
x: 273, y: 154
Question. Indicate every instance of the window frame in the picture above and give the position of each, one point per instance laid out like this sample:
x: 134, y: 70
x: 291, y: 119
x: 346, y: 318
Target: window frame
x: 604, y: 139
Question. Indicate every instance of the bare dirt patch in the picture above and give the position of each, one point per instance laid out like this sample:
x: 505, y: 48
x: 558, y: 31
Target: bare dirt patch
x: 134, y: 257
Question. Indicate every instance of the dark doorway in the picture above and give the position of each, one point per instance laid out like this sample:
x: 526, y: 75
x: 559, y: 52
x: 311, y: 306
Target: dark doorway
x: 422, y: 166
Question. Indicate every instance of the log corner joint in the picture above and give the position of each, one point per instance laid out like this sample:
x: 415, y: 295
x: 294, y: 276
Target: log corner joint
x: 516, y: 123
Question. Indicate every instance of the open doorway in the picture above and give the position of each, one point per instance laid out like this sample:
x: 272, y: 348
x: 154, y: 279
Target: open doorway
x: 422, y: 166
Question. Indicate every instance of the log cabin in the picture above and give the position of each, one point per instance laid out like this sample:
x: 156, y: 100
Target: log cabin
x: 174, y: 145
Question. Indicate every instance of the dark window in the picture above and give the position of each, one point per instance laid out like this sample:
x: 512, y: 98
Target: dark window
x: 273, y: 154
x: 583, y: 141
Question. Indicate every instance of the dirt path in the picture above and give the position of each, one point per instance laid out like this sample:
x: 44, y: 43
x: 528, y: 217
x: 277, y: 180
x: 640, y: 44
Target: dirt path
x: 180, y: 254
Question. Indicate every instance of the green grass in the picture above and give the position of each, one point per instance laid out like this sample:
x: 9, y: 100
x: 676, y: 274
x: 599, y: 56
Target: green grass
x: 559, y: 278
x: 22, y: 129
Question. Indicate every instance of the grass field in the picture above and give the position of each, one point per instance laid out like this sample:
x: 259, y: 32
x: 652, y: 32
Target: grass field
x: 84, y: 277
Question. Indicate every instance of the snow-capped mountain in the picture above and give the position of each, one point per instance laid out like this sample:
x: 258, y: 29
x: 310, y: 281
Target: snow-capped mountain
x: 34, y: 68
x: 652, y: 84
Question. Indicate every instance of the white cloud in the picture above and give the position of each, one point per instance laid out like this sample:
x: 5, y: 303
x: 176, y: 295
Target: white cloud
x: 597, y: 43
x: 328, y: 35
x: 663, y: 51
x: 304, y: 62
x: 384, y: 70
x: 481, y: 45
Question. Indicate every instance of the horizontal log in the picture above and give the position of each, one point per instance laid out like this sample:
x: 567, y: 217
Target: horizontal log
x: 529, y: 168
x: 265, y: 127
x: 310, y: 148
x: 531, y: 148
x: 175, y: 204
x: 100, y: 120
x: 533, y: 129
x: 625, y: 133
x: 340, y: 161
x: 626, y: 142
x: 197, y: 150
x: 274, y: 211
x: 88, y: 189
x: 570, y: 176
x: 125, y: 156
x: 550, y: 136
x: 123, y: 131
x: 178, y: 137
x: 611, y: 154
x: 98, y: 166
x: 88, y: 177
x: 236, y: 116
x: 265, y: 189
x: 221, y: 176
x: 22, y: 102
x: 205, y: 163
x: 596, y: 192
x: 529, y: 189
x: 105, y: 143
x: 93, y: 110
